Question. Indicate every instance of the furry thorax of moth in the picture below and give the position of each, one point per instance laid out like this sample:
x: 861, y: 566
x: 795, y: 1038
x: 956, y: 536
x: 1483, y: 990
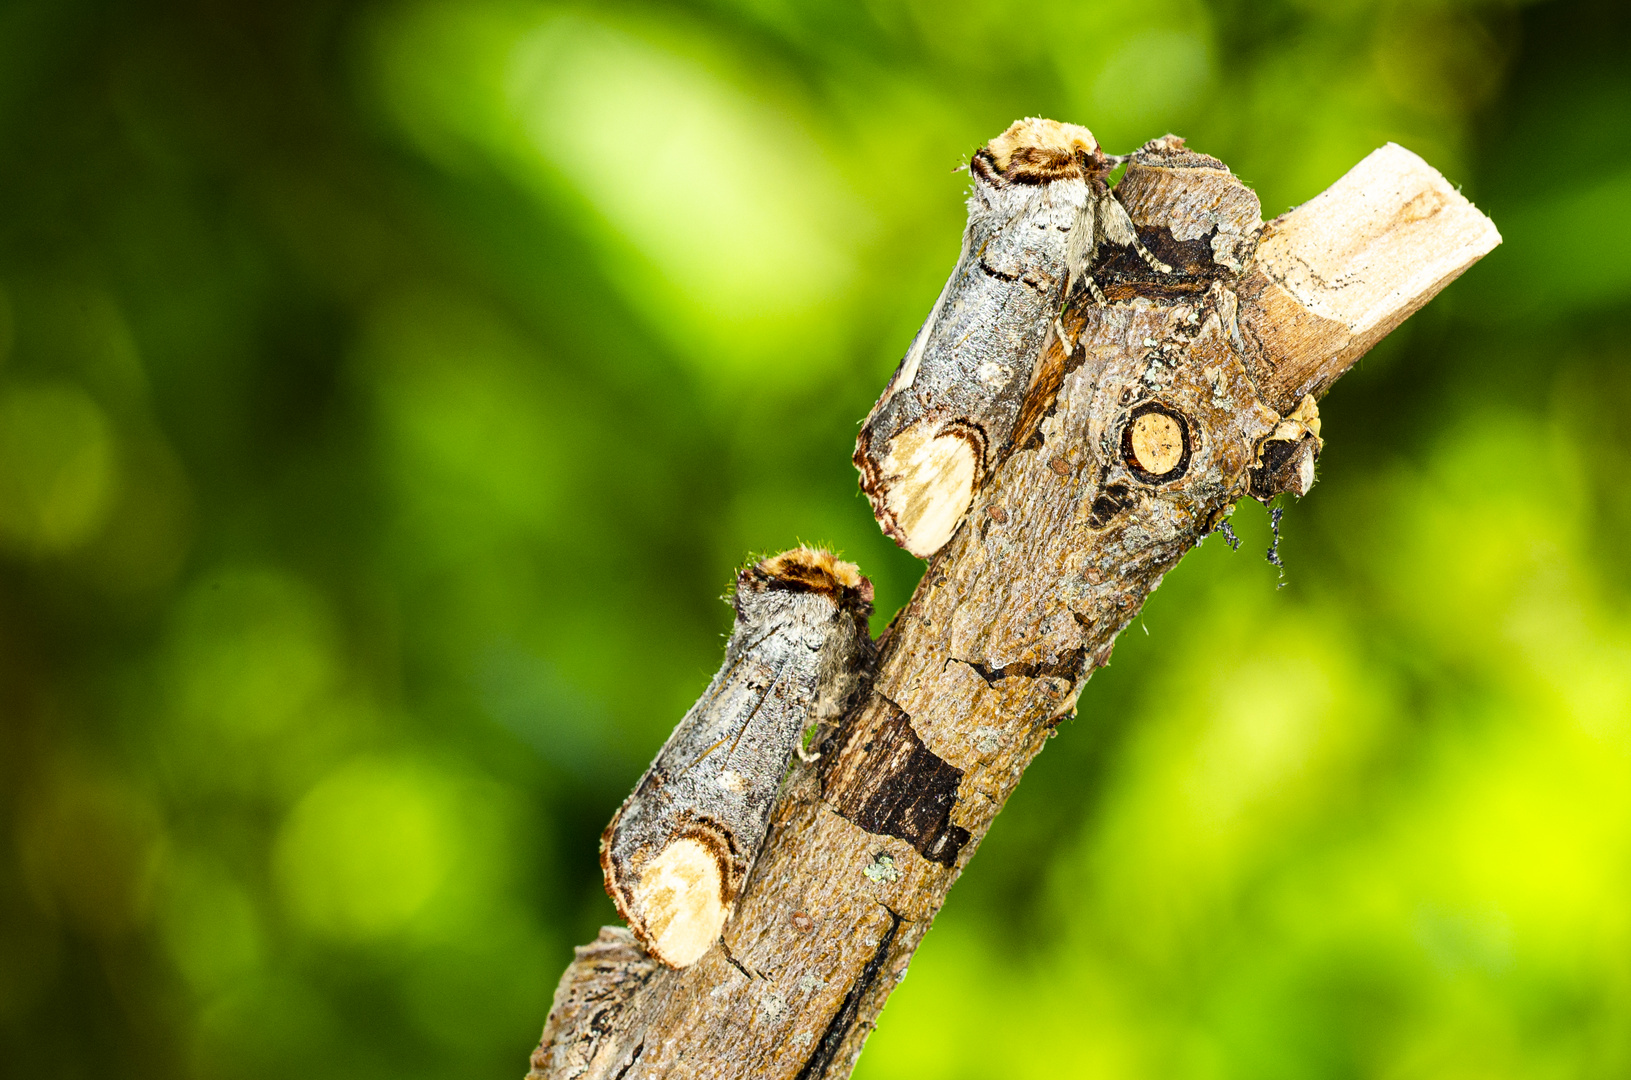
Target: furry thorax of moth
x: 1040, y: 214
x: 678, y: 852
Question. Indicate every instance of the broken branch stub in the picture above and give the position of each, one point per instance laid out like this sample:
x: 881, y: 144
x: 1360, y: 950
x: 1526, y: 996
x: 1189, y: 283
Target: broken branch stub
x: 1187, y: 388
x: 1334, y: 276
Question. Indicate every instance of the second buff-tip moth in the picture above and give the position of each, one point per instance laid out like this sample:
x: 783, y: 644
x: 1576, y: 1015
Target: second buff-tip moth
x: 1040, y: 213
x: 679, y: 851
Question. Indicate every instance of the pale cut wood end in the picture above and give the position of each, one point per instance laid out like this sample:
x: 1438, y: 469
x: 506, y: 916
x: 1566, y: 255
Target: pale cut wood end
x: 1332, y: 277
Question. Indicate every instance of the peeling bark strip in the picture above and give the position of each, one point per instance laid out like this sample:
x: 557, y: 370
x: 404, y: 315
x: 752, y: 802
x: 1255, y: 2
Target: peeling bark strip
x: 844, y: 1020
x: 603, y: 977
x: 677, y: 852
x: 1186, y: 390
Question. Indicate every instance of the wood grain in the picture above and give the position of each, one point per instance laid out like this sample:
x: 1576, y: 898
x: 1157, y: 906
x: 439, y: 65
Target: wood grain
x: 1333, y: 276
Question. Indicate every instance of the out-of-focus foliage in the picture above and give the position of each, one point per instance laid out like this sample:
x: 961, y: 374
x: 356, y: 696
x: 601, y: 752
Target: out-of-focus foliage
x: 387, y: 391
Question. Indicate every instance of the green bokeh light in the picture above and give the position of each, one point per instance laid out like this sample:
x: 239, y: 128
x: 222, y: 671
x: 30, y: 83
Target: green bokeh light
x: 388, y: 390
x: 58, y: 469
x: 364, y: 851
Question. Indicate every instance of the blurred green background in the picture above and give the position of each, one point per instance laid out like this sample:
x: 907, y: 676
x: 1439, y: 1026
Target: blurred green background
x: 387, y: 391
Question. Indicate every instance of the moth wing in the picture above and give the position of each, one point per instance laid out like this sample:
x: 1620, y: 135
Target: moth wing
x: 1081, y: 246
x: 677, y: 852
x: 744, y: 692
x: 906, y: 374
x: 1114, y: 224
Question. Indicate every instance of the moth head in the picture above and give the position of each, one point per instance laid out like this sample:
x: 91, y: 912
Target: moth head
x: 807, y: 569
x: 1034, y: 151
x: 815, y: 570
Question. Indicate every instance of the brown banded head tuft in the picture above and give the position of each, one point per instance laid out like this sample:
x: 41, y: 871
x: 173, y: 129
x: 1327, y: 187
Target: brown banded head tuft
x: 1034, y: 151
x: 808, y: 569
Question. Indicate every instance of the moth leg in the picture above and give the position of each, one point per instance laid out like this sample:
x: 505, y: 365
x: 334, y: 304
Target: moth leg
x: 1093, y: 287
x: 820, y: 732
x: 1155, y: 264
x: 1080, y: 248
x: 1081, y: 245
x: 805, y: 755
x: 1117, y: 227
x: 1064, y: 338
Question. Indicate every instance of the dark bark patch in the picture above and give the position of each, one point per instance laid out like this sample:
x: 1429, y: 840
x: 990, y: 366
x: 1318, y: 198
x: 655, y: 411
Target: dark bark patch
x: 1050, y: 374
x: 897, y: 786
x: 1110, y: 502
x: 1280, y: 465
x: 733, y: 961
x: 1068, y: 666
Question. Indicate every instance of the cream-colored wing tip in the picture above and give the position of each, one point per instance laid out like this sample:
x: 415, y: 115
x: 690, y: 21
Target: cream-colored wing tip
x: 680, y: 902
x: 928, y: 483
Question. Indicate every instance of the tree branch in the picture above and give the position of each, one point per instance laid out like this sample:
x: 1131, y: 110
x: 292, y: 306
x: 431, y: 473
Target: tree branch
x: 1185, y: 390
